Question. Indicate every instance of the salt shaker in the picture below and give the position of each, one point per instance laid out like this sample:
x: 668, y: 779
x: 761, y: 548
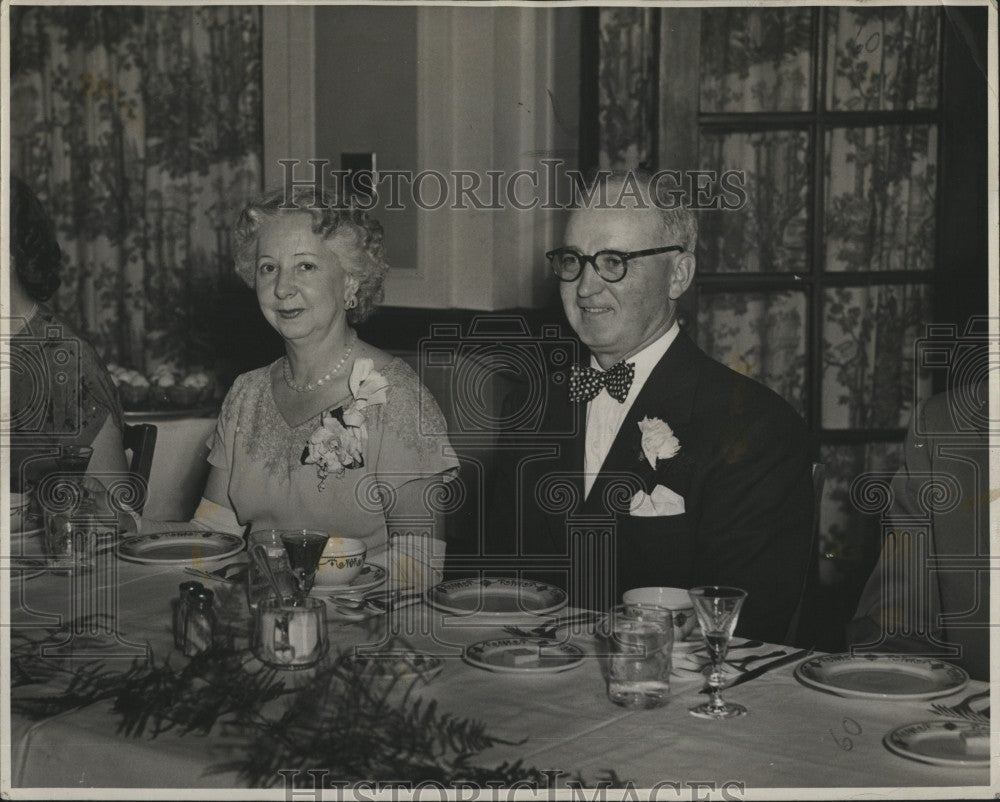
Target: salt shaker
x: 199, y: 624
x: 181, y: 607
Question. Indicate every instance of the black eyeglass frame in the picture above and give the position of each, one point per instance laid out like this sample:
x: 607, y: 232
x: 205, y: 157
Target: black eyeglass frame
x: 584, y: 259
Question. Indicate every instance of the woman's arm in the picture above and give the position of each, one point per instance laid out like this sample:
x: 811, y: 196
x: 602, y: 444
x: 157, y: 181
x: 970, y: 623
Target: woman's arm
x: 214, y: 512
x: 416, y: 535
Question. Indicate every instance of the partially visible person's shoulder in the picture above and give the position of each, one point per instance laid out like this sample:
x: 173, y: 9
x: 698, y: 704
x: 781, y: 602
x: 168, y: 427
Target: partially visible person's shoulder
x: 403, y: 380
x: 248, y: 388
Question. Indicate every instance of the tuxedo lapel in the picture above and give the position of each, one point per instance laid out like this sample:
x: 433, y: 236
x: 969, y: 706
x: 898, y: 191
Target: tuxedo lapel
x: 668, y: 394
x: 566, y: 416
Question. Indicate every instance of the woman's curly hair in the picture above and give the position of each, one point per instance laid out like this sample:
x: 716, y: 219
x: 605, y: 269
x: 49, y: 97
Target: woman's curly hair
x: 364, y: 243
x: 34, y: 250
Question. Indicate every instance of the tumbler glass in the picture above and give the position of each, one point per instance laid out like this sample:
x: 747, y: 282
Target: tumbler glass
x: 290, y: 636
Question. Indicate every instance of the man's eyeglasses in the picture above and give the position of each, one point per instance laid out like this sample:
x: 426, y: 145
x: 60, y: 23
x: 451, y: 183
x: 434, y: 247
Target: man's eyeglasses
x: 611, y: 266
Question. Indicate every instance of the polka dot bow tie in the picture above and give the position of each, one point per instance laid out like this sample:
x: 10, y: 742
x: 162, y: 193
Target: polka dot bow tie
x: 585, y: 382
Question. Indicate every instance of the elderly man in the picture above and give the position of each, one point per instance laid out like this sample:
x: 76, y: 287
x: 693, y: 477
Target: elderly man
x: 700, y: 475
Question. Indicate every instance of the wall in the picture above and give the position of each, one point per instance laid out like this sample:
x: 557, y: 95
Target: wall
x: 366, y: 101
x: 443, y: 89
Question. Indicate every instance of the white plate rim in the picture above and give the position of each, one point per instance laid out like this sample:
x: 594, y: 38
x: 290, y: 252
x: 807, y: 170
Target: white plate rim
x: 889, y: 741
x: 431, y: 596
x: 351, y: 587
x: 802, y: 669
x: 562, y: 646
x: 236, y: 546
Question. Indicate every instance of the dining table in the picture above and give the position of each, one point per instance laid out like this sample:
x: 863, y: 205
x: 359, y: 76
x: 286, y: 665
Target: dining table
x: 69, y: 630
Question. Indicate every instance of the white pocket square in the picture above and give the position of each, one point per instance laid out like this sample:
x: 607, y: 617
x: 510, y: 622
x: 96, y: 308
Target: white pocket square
x: 662, y: 501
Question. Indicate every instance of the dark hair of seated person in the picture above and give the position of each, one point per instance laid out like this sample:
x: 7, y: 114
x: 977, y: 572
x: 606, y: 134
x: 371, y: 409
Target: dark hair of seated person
x: 34, y: 251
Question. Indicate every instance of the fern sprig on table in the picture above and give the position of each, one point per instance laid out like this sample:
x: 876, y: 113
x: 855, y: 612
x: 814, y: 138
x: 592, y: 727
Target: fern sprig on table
x: 332, y: 718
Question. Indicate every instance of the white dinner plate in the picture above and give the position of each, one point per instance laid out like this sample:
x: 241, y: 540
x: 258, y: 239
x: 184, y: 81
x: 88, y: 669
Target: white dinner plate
x: 942, y: 743
x: 523, y: 656
x: 370, y: 576
x: 871, y: 676
x: 175, y: 548
x: 492, y: 596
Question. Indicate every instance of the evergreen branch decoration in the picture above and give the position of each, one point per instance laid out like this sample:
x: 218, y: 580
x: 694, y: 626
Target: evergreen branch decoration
x: 336, y: 717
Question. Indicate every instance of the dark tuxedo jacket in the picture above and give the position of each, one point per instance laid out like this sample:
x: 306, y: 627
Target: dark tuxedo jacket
x: 744, y: 472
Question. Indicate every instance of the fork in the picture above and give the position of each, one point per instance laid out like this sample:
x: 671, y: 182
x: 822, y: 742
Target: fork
x: 549, y: 629
x: 743, y: 662
x: 963, y: 709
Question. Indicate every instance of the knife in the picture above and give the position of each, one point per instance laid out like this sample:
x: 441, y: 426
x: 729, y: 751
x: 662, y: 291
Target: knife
x: 749, y: 675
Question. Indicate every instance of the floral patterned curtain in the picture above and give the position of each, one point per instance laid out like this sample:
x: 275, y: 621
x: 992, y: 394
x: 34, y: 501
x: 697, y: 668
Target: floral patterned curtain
x: 140, y: 130
x: 627, y: 86
x: 879, y: 183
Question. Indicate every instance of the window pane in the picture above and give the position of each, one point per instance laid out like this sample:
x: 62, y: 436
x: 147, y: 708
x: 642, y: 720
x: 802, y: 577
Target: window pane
x: 755, y: 59
x: 868, y: 355
x: 881, y: 183
x: 882, y: 58
x: 768, y: 232
x: 846, y: 533
x: 758, y: 334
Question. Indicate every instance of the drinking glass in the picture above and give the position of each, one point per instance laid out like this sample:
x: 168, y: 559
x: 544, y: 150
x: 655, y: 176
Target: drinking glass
x: 74, y: 537
x: 266, y: 544
x: 74, y: 459
x: 290, y: 636
x: 304, y: 547
x: 640, y: 639
x: 718, y: 609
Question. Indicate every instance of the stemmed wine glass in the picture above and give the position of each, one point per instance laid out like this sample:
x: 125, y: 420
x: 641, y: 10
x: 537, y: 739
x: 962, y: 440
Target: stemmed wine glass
x: 718, y: 609
x: 74, y: 459
x: 304, y: 548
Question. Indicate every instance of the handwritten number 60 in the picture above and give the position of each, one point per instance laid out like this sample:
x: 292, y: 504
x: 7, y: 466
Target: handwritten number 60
x: 872, y: 42
x: 851, y: 727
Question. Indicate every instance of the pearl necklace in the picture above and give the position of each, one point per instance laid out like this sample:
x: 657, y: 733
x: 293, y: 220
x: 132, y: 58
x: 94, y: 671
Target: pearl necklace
x: 286, y: 370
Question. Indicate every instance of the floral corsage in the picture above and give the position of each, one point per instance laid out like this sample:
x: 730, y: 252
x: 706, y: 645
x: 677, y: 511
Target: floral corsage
x: 340, y: 440
x: 658, y: 440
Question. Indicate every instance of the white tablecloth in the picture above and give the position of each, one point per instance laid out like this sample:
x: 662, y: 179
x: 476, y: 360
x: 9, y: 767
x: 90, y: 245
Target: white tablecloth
x: 788, y: 740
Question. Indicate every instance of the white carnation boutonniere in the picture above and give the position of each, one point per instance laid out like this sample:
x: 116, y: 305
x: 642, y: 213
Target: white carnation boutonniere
x: 339, y: 442
x: 658, y: 440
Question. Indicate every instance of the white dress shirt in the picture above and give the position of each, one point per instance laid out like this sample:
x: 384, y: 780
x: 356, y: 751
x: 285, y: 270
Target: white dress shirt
x: 605, y: 414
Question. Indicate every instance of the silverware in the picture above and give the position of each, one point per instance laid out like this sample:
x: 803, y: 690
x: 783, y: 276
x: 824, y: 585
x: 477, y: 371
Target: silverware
x: 747, y: 644
x: 743, y: 662
x: 964, y: 710
x: 378, y: 605
x: 757, y: 672
x: 218, y: 575
x: 549, y: 628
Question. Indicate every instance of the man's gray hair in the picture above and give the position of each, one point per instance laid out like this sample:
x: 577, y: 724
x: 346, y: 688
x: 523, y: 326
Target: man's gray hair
x: 680, y: 223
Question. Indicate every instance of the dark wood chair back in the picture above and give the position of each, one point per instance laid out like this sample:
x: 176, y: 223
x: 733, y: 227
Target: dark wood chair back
x: 140, y: 440
x: 802, y: 629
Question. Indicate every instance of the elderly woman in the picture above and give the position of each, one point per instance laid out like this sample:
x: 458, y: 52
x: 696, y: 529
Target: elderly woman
x: 329, y: 437
x: 60, y: 391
